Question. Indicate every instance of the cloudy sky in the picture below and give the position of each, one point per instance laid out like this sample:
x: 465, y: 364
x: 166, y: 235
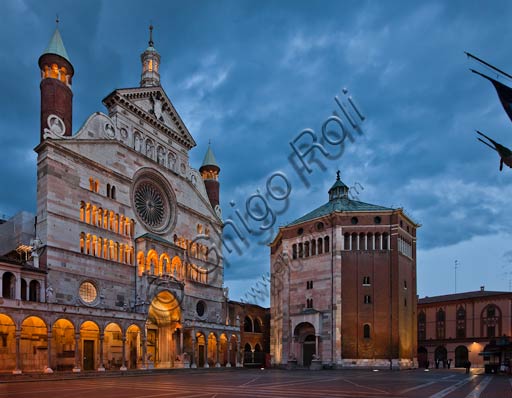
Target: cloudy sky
x: 251, y: 75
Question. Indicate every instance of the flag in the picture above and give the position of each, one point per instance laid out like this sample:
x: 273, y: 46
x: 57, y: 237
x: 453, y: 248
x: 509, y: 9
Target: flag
x: 504, y: 93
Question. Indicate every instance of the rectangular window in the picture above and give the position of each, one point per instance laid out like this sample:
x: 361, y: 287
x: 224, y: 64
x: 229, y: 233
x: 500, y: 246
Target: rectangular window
x: 366, y: 281
x: 367, y: 299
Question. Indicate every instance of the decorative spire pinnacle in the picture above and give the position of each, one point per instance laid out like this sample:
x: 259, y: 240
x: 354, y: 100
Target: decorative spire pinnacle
x: 150, y: 36
x: 338, y: 175
x: 339, y: 190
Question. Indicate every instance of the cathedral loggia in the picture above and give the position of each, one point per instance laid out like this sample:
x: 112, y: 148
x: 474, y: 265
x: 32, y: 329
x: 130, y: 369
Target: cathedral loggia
x: 124, y: 267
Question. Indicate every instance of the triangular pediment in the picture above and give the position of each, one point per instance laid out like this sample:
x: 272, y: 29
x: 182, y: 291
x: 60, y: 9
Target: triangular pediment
x: 156, y: 108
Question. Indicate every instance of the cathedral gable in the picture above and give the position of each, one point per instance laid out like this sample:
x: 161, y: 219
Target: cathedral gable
x: 153, y: 105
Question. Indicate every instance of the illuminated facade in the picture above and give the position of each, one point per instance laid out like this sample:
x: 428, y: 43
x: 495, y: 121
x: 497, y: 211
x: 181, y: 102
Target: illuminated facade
x: 459, y: 327
x: 124, y: 268
x: 343, y: 291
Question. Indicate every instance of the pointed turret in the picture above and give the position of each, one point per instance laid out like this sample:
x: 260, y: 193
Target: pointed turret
x: 210, y: 172
x: 150, y: 64
x: 56, y: 94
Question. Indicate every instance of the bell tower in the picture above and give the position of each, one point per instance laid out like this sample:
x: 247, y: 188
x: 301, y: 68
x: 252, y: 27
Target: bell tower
x: 56, y: 94
x: 210, y: 172
x: 150, y: 64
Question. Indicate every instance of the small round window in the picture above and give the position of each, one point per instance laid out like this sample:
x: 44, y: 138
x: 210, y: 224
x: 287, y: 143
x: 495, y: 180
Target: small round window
x: 320, y: 226
x: 88, y: 292
x: 354, y: 220
x: 377, y: 220
x: 200, y: 308
x: 300, y: 231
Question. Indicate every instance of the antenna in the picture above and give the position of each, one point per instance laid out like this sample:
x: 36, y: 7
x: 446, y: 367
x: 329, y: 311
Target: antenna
x: 455, y: 269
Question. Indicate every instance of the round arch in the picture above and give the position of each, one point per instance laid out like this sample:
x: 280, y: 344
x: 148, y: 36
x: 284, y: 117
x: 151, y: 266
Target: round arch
x: 152, y: 262
x: 34, y: 343
x: 63, y: 344
x: 89, y: 344
x: 422, y: 357
x: 164, y: 317
x: 461, y: 356
x: 8, y: 343
x: 134, y: 346
x: 248, y: 324
x: 440, y: 355
x: 113, y: 346
x: 304, y: 334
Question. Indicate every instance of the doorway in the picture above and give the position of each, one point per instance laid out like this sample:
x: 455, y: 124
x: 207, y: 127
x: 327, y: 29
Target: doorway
x: 308, y: 350
x: 88, y: 354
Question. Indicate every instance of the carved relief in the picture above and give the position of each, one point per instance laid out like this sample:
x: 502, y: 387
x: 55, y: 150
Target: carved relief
x: 110, y: 132
x: 56, y: 125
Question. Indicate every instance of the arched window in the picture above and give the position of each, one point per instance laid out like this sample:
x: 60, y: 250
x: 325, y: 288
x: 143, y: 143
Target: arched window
x: 422, y: 326
x: 326, y: 244
x: 88, y: 213
x: 306, y: 249
x: 91, y: 184
x: 82, y: 242
x: 440, y: 324
x: 23, y: 289
x: 313, y: 247
x: 99, y: 246
x: 385, y: 242
x: 248, y: 327
x: 82, y: 211
x: 96, y: 186
x: 8, y: 285
x: 99, y: 217
x: 247, y: 347
x: 88, y: 244
x: 346, y: 241
x: 257, y: 326
x: 301, y: 250
x: 366, y: 331
x: 257, y: 348
x: 461, y: 323
x: 320, y: 245
x: 378, y: 241
x: 108, y: 190
x: 113, y: 192
x: 34, y: 291
x: 491, y: 321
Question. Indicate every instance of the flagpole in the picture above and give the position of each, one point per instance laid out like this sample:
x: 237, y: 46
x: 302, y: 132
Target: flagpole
x: 487, y: 64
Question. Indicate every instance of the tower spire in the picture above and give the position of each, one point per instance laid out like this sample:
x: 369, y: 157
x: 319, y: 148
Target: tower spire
x: 150, y: 64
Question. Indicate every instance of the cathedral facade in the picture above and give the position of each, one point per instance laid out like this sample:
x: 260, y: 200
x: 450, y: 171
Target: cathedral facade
x: 124, y: 269
x: 343, y: 287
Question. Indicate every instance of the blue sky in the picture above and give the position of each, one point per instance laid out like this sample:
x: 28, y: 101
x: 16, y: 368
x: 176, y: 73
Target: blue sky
x: 251, y: 75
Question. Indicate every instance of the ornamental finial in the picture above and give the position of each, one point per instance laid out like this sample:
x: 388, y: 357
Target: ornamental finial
x: 150, y: 35
x: 338, y: 175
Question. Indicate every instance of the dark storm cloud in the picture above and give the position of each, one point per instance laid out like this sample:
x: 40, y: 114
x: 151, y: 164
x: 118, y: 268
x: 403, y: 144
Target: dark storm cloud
x: 251, y: 75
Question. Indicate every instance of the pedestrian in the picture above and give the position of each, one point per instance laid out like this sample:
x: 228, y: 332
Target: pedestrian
x: 449, y: 363
x: 468, y: 366
x: 427, y: 364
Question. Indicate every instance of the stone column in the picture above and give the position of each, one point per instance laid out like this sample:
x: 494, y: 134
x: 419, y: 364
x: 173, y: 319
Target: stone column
x: 317, y: 350
x: 123, y: 364
x: 389, y: 242
x: 381, y: 246
x: 206, y: 352
x: 193, y: 356
x: 217, y: 365
x: 181, y: 341
x: 48, y: 368
x: 77, y: 369
x: 373, y: 242
x: 1, y: 285
x: 365, y: 242
x: 144, y: 350
x: 238, y: 363
x: 102, y: 365
x: 17, y: 370
x: 228, y: 364
x: 350, y: 242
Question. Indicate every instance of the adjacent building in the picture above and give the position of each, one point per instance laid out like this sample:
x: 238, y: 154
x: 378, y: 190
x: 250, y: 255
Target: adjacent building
x: 466, y: 326
x: 343, y: 289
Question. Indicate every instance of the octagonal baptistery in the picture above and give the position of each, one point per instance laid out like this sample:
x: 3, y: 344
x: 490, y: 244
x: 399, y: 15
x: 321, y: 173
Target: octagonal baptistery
x: 129, y: 233
x: 343, y: 289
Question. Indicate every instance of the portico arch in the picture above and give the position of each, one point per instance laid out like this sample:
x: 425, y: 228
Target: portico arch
x: 305, y: 343
x: 89, y: 335
x: 34, y: 344
x: 133, y: 346
x: 113, y: 346
x: 63, y: 345
x: 7, y: 343
x: 164, y: 318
